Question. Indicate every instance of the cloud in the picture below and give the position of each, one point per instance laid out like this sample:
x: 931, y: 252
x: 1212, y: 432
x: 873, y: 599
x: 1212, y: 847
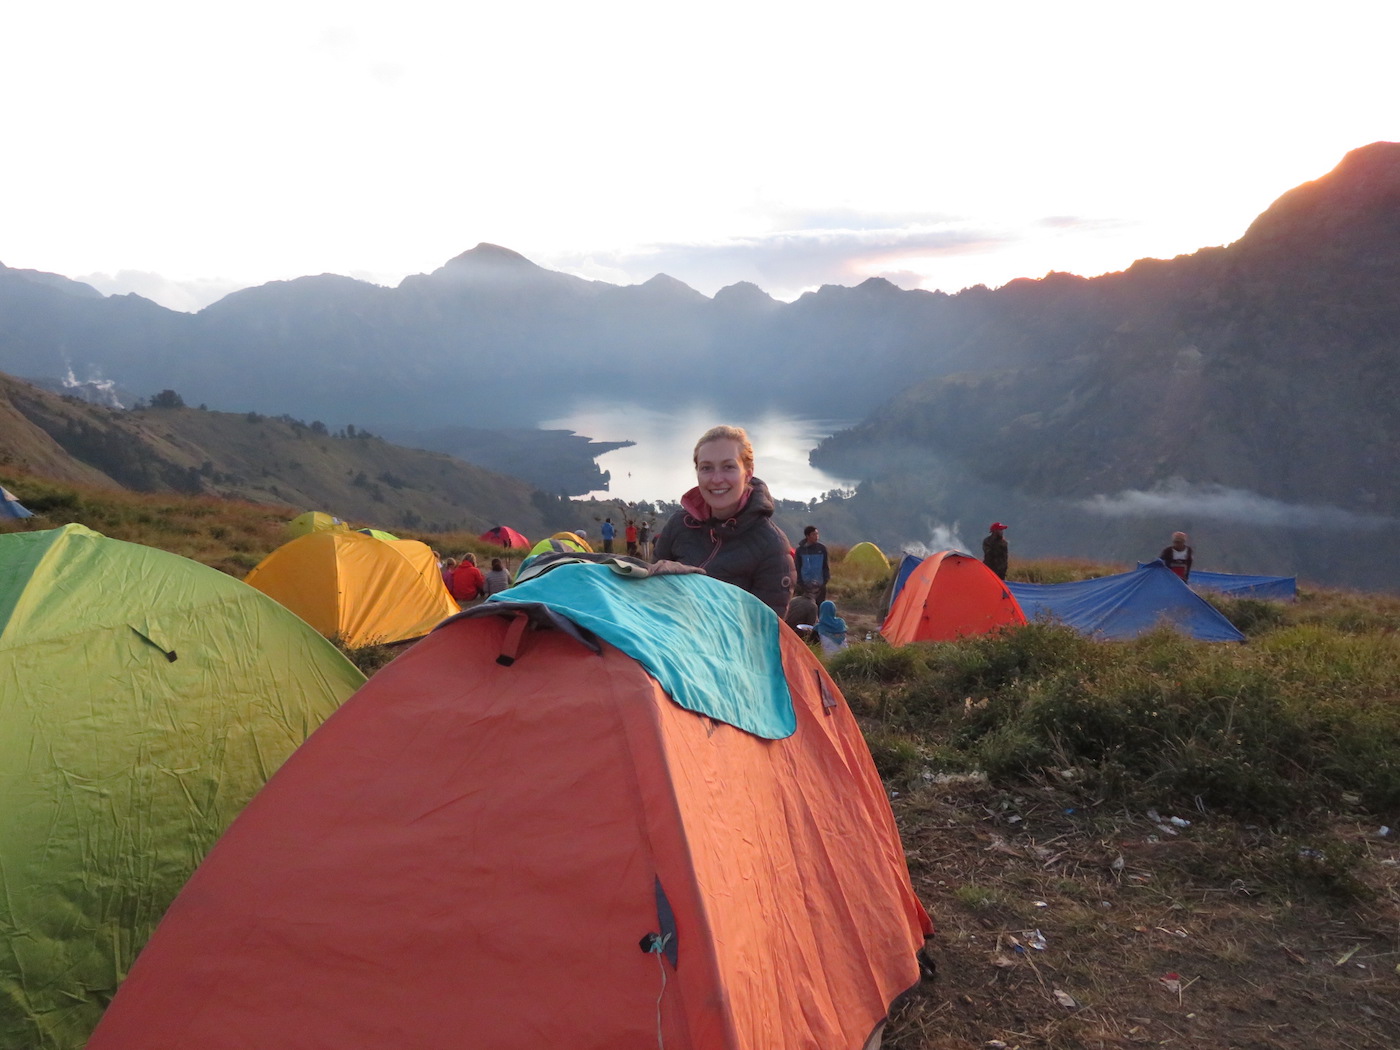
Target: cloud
x: 1232, y: 505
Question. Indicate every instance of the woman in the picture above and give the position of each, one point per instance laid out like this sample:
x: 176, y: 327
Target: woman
x: 831, y: 629
x: 467, y: 580
x: 497, y: 579
x: 725, y: 524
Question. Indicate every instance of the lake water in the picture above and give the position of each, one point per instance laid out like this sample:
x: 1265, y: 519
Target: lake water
x: 659, y: 467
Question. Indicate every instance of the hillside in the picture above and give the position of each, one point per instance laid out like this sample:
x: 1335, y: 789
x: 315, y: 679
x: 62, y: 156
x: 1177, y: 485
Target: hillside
x: 1248, y: 393
x: 264, y: 460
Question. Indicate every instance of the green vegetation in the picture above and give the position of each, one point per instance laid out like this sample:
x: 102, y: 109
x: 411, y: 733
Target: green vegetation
x: 1302, y: 720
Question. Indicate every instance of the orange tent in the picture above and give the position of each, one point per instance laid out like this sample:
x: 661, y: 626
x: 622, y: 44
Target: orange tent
x: 356, y: 588
x: 546, y: 850
x: 949, y: 595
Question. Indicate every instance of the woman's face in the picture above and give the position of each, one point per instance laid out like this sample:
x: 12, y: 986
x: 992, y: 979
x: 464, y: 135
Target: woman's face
x: 721, y: 476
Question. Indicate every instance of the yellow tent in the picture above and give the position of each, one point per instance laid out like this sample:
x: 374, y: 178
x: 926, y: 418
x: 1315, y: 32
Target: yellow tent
x: 867, y: 560
x: 573, y: 537
x: 355, y: 588
x: 314, y: 521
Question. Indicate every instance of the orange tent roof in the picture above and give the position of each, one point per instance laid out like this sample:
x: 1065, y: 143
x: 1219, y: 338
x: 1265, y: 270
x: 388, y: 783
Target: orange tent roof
x: 947, y: 596
x: 473, y: 848
x: 354, y: 587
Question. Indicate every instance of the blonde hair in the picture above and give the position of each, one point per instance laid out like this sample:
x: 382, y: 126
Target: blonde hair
x: 725, y: 432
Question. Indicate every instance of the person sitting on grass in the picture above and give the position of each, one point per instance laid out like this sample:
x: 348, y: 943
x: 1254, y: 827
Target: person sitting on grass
x: 468, y: 584
x: 497, y: 579
x: 831, y: 629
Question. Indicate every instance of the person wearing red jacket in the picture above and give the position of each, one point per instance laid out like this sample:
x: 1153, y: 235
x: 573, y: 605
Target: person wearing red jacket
x: 468, y: 583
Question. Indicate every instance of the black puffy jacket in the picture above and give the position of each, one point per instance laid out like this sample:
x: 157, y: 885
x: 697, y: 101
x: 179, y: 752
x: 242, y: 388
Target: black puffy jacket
x: 747, y: 550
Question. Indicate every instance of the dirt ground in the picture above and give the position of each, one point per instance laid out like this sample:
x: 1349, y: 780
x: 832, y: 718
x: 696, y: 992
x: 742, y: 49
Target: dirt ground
x: 1065, y: 928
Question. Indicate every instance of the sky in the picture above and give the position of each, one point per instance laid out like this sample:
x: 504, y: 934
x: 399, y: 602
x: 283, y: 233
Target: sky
x: 183, y: 150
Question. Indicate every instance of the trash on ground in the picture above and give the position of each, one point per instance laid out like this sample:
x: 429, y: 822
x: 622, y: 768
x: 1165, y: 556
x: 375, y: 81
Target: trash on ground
x: 1171, y: 982
x: 1065, y: 999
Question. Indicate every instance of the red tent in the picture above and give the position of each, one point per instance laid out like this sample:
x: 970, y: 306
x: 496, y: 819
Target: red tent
x: 544, y: 851
x: 504, y: 536
x: 947, y: 596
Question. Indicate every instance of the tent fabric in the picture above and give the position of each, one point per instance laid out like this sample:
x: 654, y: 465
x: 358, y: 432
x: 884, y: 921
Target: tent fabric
x: 144, y: 698
x: 504, y: 536
x: 355, y: 588
x: 378, y: 534
x: 949, y: 595
x: 573, y: 537
x: 867, y: 558
x: 554, y: 546
x: 1240, y: 585
x: 314, y: 521
x: 467, y: 847
x: 674, y: 634
x: 1127, y: 605
x: 11, y: 507
x: 907, y: 564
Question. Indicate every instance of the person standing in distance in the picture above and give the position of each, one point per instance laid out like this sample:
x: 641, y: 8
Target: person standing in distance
x: 609, y: 531
x: 725, y: 524
x: 813, y: 565
x: 995, y: 550
x: 1178, y: 556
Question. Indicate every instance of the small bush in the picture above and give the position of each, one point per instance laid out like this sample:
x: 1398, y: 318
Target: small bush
x: 1251, y: 615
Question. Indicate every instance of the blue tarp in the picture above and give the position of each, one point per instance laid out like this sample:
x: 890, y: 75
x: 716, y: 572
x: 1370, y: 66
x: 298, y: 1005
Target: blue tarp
x: 11, y: 507
x: 1126, y: 605
x: 1240, y: 585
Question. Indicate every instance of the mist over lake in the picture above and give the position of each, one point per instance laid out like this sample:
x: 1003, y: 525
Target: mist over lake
x: 659, y: 467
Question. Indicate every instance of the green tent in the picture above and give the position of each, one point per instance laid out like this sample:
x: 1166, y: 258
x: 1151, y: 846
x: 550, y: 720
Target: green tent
x: 378, y: 534
x: 144, y: 699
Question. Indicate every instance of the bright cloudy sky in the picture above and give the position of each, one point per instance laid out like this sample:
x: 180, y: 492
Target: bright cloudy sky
x: 184, y: 149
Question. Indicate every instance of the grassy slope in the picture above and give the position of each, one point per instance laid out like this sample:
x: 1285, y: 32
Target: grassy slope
x: 259, y: 459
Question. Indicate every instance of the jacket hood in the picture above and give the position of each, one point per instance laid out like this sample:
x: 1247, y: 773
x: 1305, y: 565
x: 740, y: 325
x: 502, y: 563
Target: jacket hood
x: 757, y: 504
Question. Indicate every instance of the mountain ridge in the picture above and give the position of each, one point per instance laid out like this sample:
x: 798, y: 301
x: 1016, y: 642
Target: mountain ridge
x: 1264, y: 367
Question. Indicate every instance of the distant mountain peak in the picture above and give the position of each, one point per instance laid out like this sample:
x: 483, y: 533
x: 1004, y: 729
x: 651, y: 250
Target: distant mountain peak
x: 486, y: 254
x: 662, y: 288
x: 744, y: 293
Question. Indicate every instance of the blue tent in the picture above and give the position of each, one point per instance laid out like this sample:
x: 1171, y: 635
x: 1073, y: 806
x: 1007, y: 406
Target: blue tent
x: 907, y: 564
x: 1240, y: 585
x: 11, y: 507
x: 1126, y: 605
